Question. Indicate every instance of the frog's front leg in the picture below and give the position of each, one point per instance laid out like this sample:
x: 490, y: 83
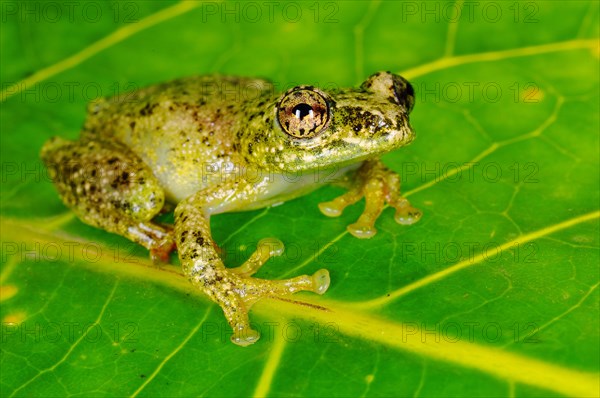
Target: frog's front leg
x: 232, y: 288
x: 378, y: 185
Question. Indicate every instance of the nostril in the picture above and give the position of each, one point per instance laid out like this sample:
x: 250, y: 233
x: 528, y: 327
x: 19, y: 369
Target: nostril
x: 404, y: 92
x: 409, y: 88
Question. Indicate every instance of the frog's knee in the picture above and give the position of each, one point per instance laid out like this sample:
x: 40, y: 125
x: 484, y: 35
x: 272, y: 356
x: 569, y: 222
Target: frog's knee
x: 127, y: 186
x: 145, y: 200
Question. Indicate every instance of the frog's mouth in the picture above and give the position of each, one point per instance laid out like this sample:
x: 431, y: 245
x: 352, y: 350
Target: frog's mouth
x: 340, y: 152
x: 341, y: 148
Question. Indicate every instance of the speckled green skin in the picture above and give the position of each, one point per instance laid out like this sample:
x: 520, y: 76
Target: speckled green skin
x: 213, y: 144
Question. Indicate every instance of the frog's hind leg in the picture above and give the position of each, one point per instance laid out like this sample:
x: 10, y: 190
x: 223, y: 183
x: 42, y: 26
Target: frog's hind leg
x: 232, y: 288
x: 109, y: 187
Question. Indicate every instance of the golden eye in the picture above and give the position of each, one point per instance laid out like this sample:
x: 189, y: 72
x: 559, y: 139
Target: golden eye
x: 303, y: 113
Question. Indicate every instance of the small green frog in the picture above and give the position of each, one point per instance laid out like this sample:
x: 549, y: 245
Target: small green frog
x: 214, y: 144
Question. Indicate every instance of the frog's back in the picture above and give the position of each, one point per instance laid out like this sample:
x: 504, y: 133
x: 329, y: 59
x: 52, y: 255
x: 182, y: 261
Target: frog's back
x: 184, y: 130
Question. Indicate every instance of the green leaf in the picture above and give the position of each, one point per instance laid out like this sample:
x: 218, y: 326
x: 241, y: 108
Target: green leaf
x: 494, y: 292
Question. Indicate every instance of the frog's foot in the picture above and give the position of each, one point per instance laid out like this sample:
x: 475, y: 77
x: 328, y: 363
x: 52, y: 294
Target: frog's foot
x: 167, y: 208
x: 159, y: 239
x: 235, y: 290
x: 247, y: 291
x: 378, y: 185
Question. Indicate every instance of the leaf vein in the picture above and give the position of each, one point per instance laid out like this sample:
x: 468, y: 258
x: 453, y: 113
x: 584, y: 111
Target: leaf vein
x: 96, y: 47
x: 172, y: 354
x: 458, y: 60
x: 75, y: 344
x: 432, y: 278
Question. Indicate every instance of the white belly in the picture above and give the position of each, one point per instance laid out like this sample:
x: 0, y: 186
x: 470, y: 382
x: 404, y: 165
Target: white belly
x: 268, y: 188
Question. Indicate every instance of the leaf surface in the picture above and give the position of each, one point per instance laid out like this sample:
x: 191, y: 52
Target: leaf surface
x: 494, y: 292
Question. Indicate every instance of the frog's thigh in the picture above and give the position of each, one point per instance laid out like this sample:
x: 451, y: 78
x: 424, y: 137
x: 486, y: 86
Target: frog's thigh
x: 232, y: 288
x: 108, y: 186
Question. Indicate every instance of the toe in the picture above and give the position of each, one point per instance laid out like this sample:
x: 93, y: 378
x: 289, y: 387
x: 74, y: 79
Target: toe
x: 321, y: 281
x: 245, y: 337
x: 408, y: 215
x: 362, y: 231
x: 330, y: 209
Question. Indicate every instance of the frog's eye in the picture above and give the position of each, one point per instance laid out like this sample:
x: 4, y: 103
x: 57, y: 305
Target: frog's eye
x: 303, y: 113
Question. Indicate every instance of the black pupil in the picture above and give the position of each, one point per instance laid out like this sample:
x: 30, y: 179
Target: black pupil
x: 304, y: 110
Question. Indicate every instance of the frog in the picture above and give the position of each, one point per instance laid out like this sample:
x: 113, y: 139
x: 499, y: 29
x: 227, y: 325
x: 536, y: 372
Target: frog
x: 210, y: 144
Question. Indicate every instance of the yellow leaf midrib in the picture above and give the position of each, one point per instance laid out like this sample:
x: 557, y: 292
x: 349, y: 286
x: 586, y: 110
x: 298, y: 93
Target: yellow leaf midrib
x: 504, y: 365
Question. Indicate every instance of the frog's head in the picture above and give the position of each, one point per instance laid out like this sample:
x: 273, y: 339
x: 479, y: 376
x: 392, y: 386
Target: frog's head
x: 308, y: 128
